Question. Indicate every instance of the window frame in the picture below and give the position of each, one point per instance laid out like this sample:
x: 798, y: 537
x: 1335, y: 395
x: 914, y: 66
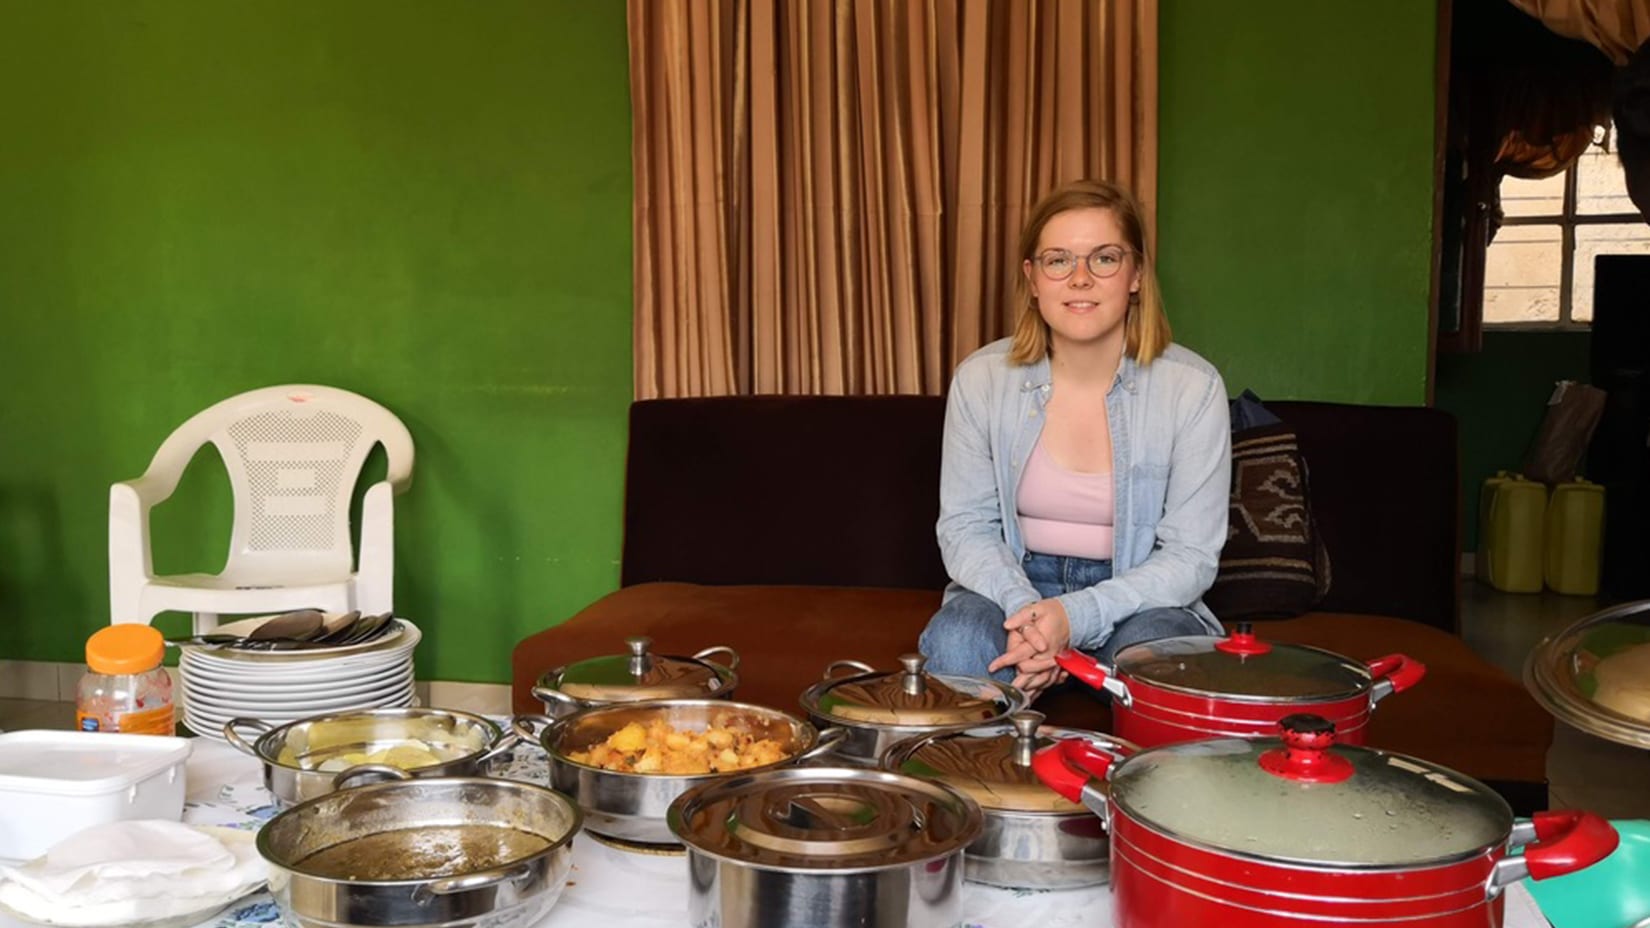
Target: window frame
x: 1568, y: 220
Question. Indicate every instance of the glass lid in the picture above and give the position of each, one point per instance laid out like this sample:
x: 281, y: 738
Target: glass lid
x: 910, y: 697
x: 1304, y: 799
x: 1241, y: 666
x: 992, y: 764
x: 816, y: 819
x: 641, y: 674
x: 1595, y: 675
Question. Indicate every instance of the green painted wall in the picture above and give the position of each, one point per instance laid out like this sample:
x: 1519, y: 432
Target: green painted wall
x: 429, y: 202
x: 424, y: 201
x: 1499, y: 397
x: 1296, y: 193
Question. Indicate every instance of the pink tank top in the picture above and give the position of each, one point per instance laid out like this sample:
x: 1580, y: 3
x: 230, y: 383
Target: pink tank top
x: 1064, y: 512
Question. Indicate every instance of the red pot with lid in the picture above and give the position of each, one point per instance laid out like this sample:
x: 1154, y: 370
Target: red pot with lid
x: 1207, y: 686
x: 1299, y: 831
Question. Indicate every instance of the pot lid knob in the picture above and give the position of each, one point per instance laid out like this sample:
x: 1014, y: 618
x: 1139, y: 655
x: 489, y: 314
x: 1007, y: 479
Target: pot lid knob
x: 1242, y: 642
x: 1305, y: 756
x: 911, y: 680
x: 1026, y: 723
x: 640, y: 660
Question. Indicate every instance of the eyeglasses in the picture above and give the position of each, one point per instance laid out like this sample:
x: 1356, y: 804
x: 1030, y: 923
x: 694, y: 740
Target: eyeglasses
x: 1105, y: 261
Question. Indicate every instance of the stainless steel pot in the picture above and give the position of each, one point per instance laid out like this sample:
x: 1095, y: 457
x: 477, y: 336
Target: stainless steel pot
x: 1033, y: 838
x: 632, y: 806
x: 881, y: 709
x: 637, y: 676
x: 293, y: 754
x: 825, y: 846
x: 458, y: 852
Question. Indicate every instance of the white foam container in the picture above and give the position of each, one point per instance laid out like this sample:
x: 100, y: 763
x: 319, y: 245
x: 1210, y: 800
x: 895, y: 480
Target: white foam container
x: 56, y: 783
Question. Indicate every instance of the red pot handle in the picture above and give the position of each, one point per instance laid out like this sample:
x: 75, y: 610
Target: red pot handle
x: 1568, y: 841
x: 1094, y: 673
x: 1394, y: 673
x: 1067, y: 766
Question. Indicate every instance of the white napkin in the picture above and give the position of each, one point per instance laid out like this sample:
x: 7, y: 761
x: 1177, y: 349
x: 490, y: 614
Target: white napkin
x: 123, y: 873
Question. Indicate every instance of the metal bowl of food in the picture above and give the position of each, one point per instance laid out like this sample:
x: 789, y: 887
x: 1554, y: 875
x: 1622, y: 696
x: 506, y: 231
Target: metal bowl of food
x: 302, y: 758
x: 626, y: 763
x: 880, y: 709
x: 453, y: 852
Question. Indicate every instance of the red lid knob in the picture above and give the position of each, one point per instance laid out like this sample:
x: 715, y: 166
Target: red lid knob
x: 1305, y: 756
x: 1242, y: 642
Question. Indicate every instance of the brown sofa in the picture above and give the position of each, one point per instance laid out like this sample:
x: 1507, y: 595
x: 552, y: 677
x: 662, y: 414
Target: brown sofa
x: 800, y: 530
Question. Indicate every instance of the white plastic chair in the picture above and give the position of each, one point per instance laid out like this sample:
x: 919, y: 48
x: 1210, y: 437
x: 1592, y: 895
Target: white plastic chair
x: 294, y: 454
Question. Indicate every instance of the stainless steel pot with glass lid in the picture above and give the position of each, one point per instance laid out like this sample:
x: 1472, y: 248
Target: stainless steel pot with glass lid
x: 880, y: 709
x: 637, y: 676
x: 809, y: 846
x: 1595, y: 675
x: 1033, y: 838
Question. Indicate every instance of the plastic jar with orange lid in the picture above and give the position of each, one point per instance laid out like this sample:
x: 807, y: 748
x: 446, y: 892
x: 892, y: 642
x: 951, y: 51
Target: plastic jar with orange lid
x: 125, y: 689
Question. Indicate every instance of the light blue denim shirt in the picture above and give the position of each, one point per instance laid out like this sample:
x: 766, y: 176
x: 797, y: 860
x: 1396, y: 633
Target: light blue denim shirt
x: 1171, y: 480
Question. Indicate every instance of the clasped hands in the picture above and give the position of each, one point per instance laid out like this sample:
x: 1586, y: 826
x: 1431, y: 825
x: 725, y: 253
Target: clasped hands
x: 1035, y: 634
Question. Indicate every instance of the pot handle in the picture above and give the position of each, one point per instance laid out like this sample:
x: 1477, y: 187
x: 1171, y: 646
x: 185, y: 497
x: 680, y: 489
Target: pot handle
x: 506, y: 741
x: 829, y: 740
x: 1069, y: 767
x: 1555, y: 843
x: 1094, y: 673
x: 1394, y: 673
x: 525, y: 726
x: 426, y: 893
x: 549, y: 695
x: 233, y: 736
x: 732, y: 662
x: 855, y: 666
x: 383, y: 773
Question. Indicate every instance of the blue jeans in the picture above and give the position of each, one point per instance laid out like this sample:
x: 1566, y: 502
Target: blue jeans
x: 967, y: 634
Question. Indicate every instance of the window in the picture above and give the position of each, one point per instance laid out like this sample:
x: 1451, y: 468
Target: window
x: 1538, y: 272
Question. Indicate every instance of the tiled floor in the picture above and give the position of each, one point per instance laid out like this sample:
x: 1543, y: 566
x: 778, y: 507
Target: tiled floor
x: 1584, y: 772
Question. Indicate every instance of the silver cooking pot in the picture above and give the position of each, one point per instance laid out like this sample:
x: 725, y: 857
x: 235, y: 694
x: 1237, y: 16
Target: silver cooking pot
x: 1033, y: 838
x: 637, y: 676
x: 384, y: 855
x: 301, y: 759
x: 881, y: 709
x: 631, y: 806
x: 808, y: 846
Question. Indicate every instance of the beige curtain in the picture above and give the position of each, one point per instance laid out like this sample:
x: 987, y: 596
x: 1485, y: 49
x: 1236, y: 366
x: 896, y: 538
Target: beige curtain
x: 1615, y: 27
x: 828, y: 192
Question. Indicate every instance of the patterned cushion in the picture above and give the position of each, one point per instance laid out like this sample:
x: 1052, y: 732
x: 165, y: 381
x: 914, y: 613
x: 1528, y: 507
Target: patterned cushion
x: 1274, y: 564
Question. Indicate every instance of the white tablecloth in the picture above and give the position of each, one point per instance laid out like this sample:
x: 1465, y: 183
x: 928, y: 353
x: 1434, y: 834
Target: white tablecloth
x: 606, y: 884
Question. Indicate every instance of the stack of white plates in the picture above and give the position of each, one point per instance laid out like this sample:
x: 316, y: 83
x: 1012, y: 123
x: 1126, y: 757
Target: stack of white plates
x: 220, y: 684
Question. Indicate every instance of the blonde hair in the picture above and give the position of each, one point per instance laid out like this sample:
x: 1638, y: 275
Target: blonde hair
x: 1146, y: 329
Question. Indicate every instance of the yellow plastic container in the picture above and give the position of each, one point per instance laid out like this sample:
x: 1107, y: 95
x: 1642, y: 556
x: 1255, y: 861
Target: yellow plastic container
x: 1511, y: 541
x: 1574, y: 537
x: 1486, y: 503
